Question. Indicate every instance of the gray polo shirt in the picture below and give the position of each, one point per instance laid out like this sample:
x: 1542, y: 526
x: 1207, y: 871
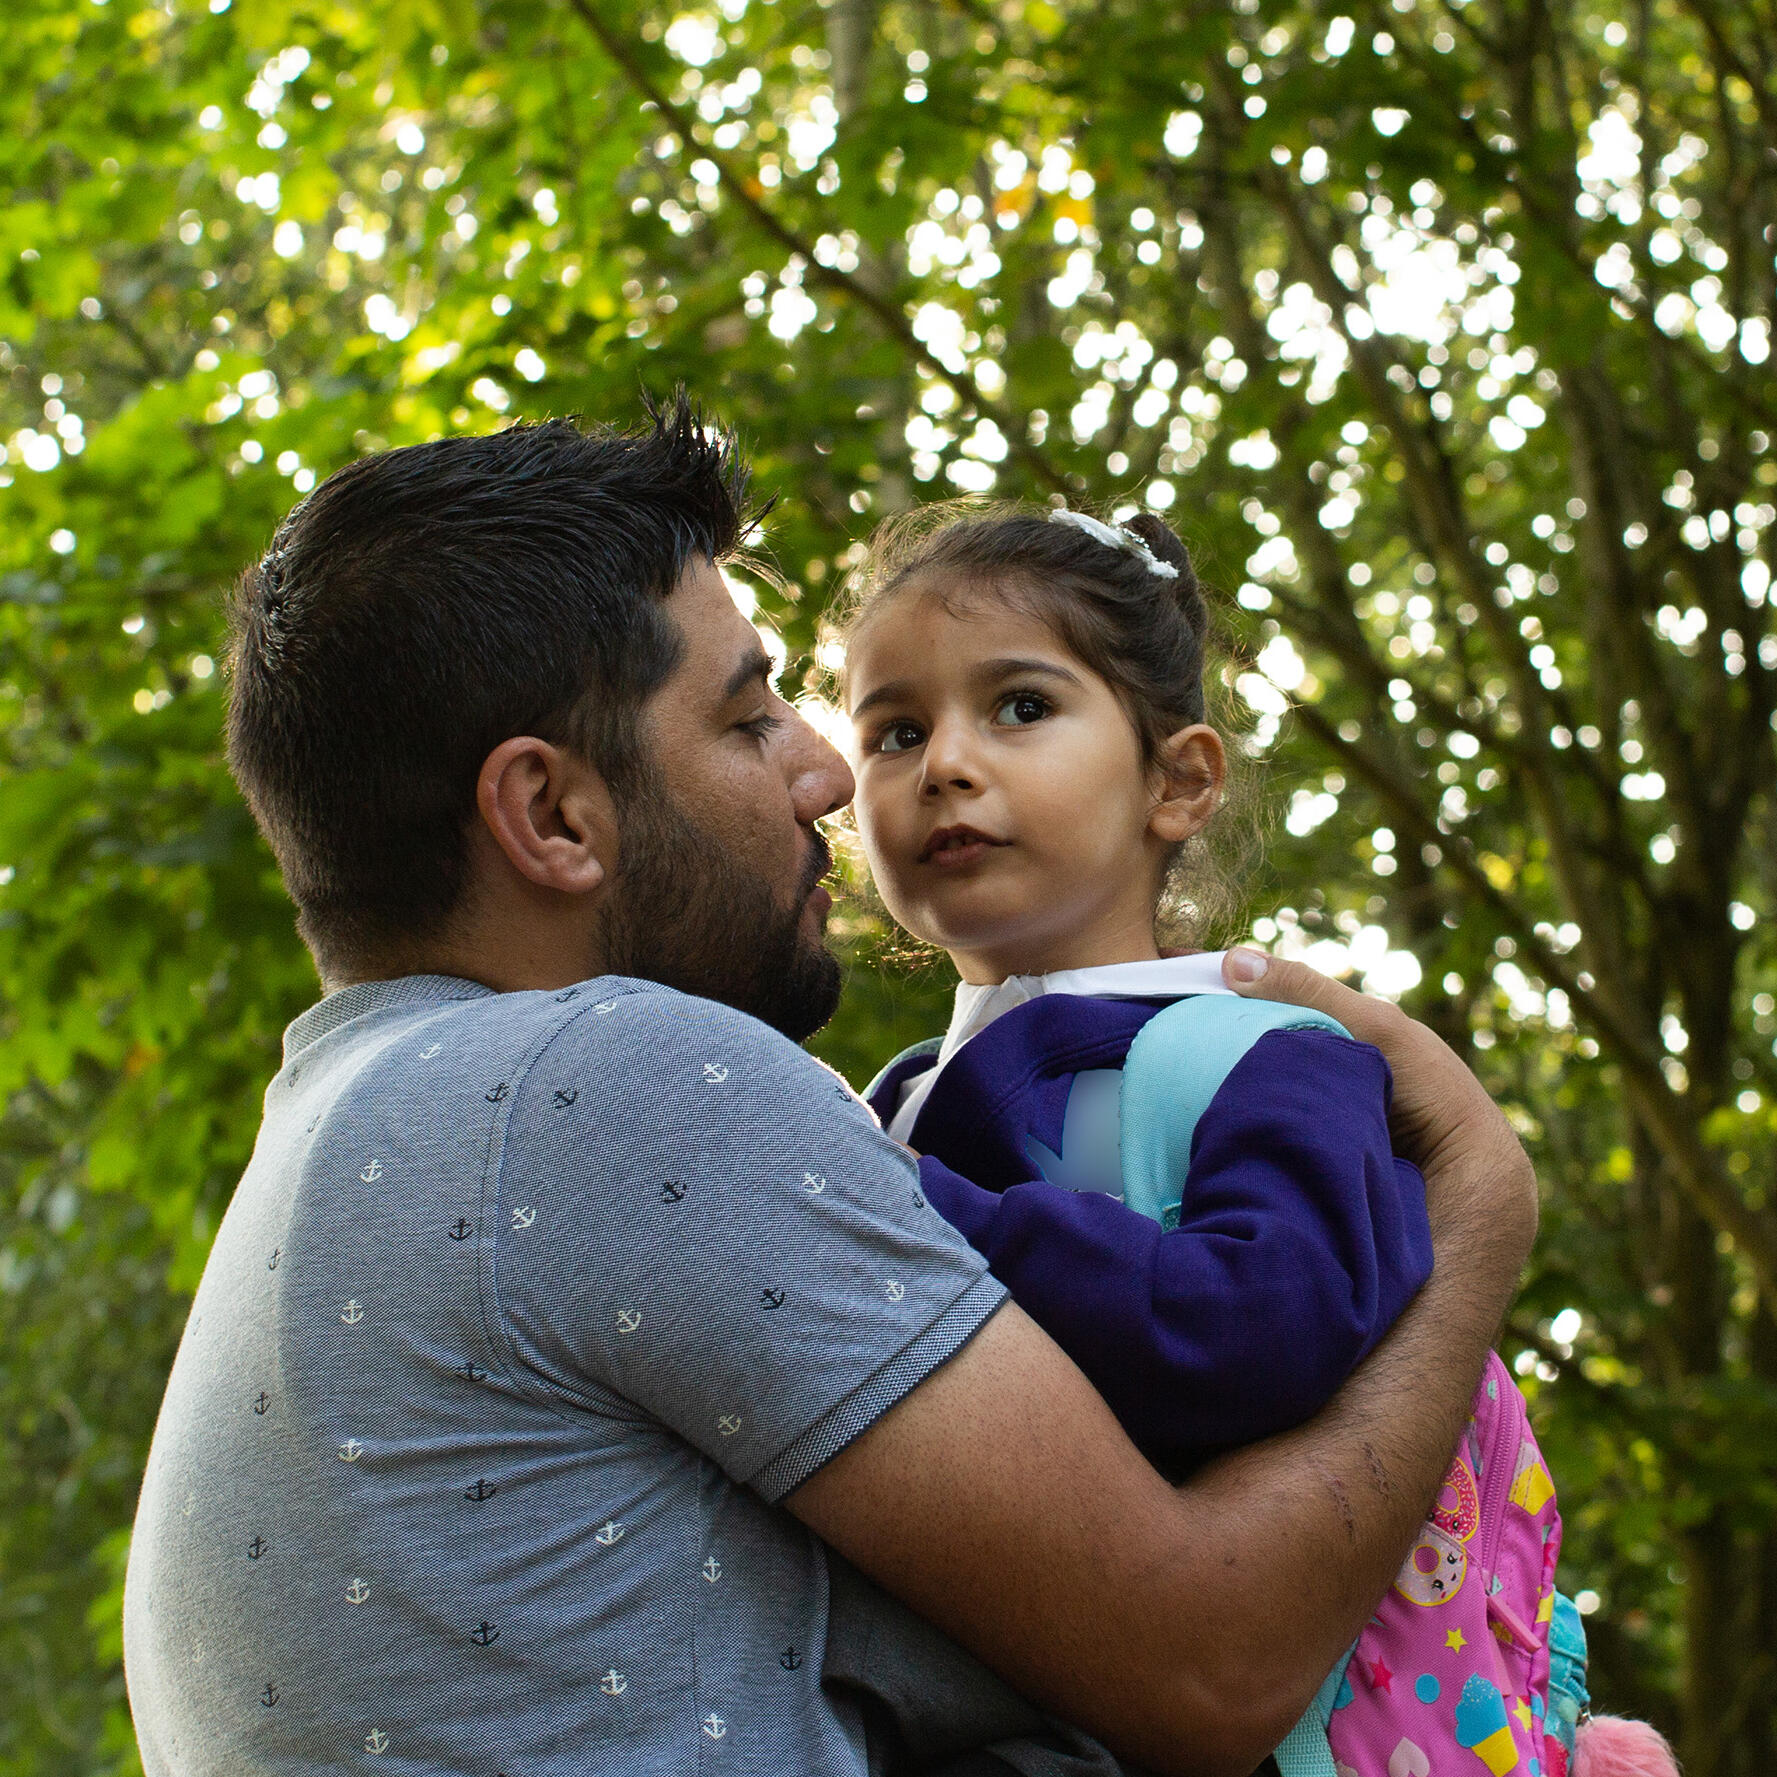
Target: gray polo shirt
x: 527, y: 1311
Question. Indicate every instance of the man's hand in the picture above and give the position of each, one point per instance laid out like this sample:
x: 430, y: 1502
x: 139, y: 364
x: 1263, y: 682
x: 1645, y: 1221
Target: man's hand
x: 1441, y: 1117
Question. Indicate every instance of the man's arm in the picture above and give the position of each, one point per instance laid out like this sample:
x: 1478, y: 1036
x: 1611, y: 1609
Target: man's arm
x: 1189, y: 1628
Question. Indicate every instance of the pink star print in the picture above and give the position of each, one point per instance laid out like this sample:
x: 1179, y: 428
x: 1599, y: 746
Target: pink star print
x: 1381, y: 1679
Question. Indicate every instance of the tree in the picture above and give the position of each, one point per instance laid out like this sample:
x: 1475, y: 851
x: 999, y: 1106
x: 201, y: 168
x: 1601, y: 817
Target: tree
x: 1441, y: 330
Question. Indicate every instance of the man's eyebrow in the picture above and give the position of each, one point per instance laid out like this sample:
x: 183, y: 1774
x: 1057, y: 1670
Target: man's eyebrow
x: 756, y: 665
x: 989, y: 672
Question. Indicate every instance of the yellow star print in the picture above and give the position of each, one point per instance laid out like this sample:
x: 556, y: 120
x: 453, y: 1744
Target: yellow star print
x: 1456, y: 1641
x: 1521, y: 1709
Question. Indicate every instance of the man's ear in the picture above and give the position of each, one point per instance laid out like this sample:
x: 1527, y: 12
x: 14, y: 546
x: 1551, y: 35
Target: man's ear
x: 1190, y: 770
x: 551, y: 813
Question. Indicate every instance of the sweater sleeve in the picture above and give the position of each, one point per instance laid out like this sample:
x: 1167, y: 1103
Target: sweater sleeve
x: 1300, y: 1240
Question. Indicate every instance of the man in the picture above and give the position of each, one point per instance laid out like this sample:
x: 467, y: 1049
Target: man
x: 563, y: 1321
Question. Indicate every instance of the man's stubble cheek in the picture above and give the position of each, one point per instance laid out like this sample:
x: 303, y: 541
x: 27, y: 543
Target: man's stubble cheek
x: 692, y: 916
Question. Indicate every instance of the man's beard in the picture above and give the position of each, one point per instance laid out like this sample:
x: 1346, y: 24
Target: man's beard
x: 686, y: 914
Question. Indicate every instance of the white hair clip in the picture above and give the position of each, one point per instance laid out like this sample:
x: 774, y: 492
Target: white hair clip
x: 1115, y: 537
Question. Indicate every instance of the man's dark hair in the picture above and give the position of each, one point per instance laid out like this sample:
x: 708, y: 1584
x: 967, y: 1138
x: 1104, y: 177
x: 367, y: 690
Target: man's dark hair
x: 423, y: 605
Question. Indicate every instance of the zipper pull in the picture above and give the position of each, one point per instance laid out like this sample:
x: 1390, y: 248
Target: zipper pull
x: 1508, y: 1626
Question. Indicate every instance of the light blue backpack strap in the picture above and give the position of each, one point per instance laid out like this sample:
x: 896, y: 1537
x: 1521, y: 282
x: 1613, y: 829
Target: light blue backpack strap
x: 930, y: 1046
x: 1175, y: 1066
x: 1568, y: 1698
x: 1306, y: 1751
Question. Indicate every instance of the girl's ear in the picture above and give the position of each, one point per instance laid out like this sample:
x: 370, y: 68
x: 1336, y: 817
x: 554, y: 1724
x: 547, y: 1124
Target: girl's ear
x: 1190, y: 770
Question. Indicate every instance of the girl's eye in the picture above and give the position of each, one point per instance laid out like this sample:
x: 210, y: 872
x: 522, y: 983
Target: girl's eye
x: 898, y: 737
x: 1021, y: 709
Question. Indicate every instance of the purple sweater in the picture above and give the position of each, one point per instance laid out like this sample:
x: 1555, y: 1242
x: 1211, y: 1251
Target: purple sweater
x: 1300, y: 1240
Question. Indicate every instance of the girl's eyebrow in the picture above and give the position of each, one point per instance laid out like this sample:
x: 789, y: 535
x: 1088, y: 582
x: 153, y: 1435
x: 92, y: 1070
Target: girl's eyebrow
x: 1011, y: 666
x: 989, y: 672
x: 892, y: 692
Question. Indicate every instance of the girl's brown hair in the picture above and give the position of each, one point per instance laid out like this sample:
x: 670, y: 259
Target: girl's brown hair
x: 1144, y: 633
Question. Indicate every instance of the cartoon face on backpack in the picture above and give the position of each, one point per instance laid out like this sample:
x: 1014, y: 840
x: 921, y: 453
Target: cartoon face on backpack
x: 1458, y: 1508
x: 1434, y: 1569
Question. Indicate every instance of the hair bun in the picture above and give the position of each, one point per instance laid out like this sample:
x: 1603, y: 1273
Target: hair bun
x: 1166, y: 546
x: 1162, y: 540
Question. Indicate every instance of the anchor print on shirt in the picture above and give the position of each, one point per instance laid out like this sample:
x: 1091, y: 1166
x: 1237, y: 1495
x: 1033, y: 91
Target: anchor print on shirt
x: 376, y: 1741
x: 271, y: 1264
x: 713, y: 1725
x: 471, y: 1371
x: 262, y: 1403
x: 628, y: 1321
x: 728, y: 1424
x: 256, y: 1548
x: 480, y: 1491
x: 813, y: 1183
x: 894, y: 1290
x: 461, y: 1229
x: 352, y: 1313
x: 372, y: 1172
x: 350, y: 1450
x: 565, y: 1096
x: 770, y: 1298
x: 499, y: 1094
x: 613, y: 1684
x: 711, y: 1570
x: 673, y: 1192
x: 714, y: 1073
x: 789, y: 1659
x: 484, y: 1634
x: 605, y: 1006
x: 268, y: 1697
x: 523, y: 1216
x: 432, y: 1049
x: 611, y: 1532
x: 357, y: 1592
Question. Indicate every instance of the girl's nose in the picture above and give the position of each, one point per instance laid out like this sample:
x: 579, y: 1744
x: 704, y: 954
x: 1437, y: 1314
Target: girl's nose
x: 947, y: 765
x: 935, y: 785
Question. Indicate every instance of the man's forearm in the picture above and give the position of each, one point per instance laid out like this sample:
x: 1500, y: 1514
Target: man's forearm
x: 1315, y: 1523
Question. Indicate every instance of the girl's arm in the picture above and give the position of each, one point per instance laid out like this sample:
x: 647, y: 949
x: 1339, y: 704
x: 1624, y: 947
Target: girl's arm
x: 1301, y: 1240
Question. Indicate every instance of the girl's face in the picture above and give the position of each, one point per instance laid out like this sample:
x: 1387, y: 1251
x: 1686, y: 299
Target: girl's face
x: 1002, y: 797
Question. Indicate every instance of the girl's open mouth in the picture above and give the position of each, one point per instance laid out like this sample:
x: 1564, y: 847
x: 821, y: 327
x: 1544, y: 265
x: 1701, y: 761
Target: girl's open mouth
x: 952, y: 847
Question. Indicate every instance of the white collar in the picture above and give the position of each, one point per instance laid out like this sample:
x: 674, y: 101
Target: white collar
x: 1166, y: 977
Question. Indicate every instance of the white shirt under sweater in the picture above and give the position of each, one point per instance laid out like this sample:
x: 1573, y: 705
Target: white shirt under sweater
x: 978, y: 1005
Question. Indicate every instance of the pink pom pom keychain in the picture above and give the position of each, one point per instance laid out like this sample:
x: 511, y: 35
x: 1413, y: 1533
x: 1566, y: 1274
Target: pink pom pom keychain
x: 1613, y: 1746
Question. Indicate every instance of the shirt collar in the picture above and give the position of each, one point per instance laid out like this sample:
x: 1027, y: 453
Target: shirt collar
x: 365, y: 997
x: 1166, y: 977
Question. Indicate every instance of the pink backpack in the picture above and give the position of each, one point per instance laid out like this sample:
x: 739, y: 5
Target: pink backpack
x: 1451, y: 1675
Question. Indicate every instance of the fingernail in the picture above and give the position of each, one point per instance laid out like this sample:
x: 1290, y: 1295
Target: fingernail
x: 1247, y: 965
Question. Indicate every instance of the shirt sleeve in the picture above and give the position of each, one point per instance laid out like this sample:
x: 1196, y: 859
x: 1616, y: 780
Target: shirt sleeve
x: 699, y: 1223
x: 1301, y: 1239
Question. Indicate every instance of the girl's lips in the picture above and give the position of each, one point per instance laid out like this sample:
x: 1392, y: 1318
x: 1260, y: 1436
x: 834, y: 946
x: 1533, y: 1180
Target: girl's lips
x: 953, y: 847
x: 956, y: 857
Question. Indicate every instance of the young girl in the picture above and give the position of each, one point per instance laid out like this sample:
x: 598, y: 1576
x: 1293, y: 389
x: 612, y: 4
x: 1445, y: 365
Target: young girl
x: 1034, y: 770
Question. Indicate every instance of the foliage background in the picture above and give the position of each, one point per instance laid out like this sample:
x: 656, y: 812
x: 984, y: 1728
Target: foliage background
x: 1440, y: 327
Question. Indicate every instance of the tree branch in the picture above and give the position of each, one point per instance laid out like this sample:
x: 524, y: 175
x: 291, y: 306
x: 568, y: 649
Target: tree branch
x: 744, y: 190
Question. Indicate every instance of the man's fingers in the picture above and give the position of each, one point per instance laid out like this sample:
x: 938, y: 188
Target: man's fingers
x: 1255, y: 976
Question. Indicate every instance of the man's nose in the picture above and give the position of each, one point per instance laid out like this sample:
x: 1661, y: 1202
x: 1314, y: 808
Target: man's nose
x: 821, y: 782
